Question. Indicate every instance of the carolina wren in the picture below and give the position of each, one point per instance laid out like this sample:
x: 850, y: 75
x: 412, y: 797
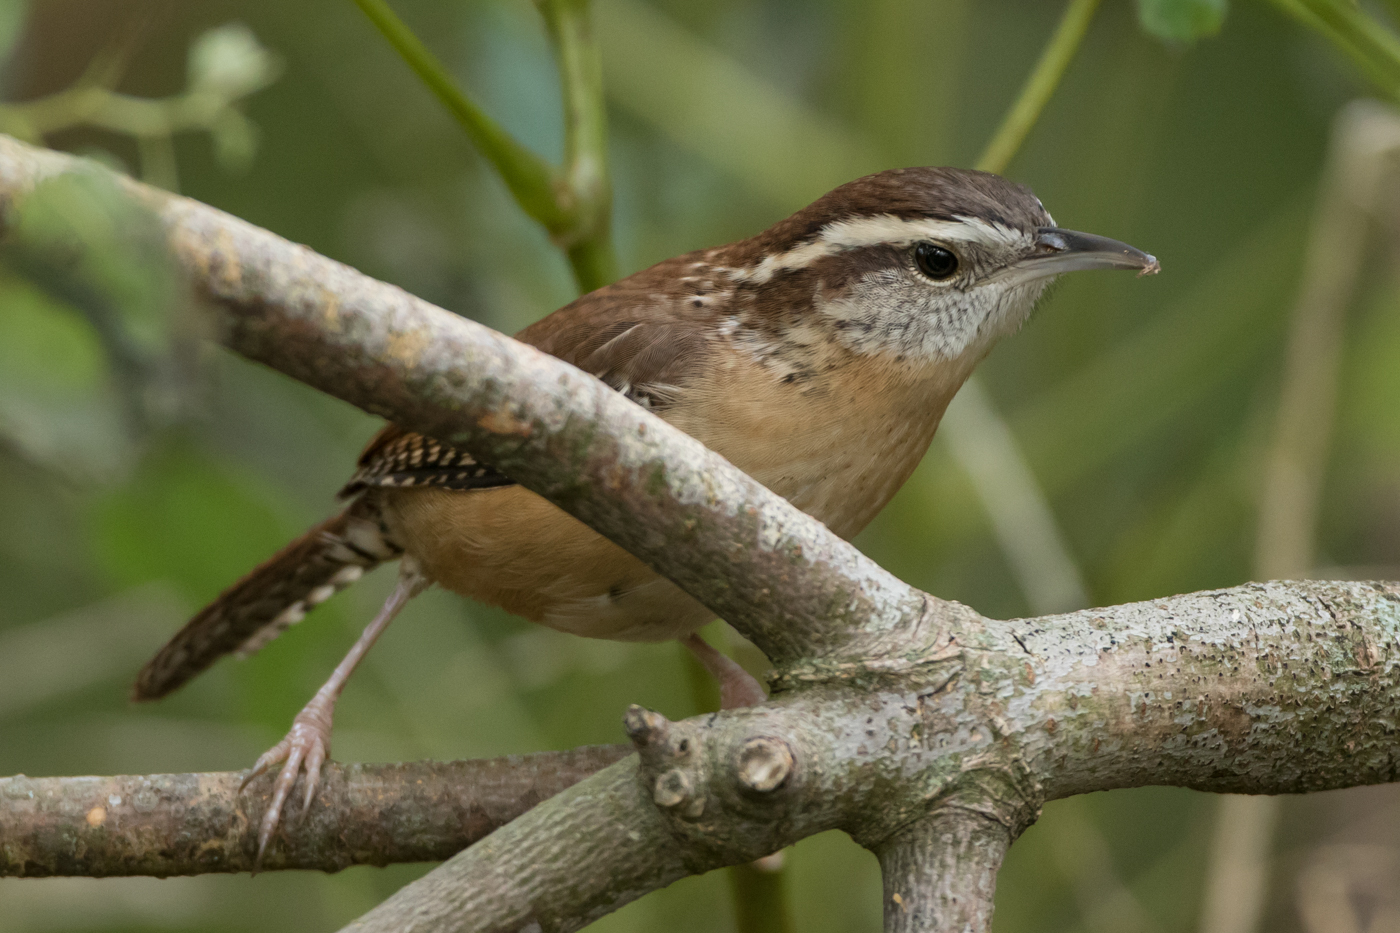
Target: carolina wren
x: 818, y: 356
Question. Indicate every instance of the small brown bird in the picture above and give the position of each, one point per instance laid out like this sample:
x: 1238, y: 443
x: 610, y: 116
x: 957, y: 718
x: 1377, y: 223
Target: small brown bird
x: 817, y: 356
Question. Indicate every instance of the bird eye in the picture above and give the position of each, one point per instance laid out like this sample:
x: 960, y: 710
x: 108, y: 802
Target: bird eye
x: 934, y: 261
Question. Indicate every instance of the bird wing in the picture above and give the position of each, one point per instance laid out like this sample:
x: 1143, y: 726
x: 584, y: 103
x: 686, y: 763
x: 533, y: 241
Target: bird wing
x: 643, y: 346
x: 398, y: 457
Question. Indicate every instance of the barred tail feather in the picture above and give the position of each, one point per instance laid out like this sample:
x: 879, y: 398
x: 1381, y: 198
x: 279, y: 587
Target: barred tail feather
x: 274, y: 596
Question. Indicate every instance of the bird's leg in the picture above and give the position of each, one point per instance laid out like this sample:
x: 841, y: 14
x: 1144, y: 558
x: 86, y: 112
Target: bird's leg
x: 737, y: 687
x: 309, y: 740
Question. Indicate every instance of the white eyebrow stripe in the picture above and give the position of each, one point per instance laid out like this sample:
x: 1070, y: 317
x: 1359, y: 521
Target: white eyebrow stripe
x: 882, y: 229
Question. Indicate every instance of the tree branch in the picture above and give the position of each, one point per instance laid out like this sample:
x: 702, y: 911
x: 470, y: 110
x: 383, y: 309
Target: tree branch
x: 598, y: 846
x: 191, y: 824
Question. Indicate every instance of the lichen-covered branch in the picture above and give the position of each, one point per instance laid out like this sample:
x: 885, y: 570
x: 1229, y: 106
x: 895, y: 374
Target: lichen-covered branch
x: 189, y: 824
x: 1267, y: 688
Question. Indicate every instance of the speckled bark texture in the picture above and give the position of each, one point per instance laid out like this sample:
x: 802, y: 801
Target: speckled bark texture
x: 603, y: 842
x: 189, y: 824
x: 931, y: 734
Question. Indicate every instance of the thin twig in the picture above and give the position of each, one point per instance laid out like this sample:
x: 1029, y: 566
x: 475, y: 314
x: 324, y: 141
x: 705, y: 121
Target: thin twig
x: 588, y: 240
x: 530, y: 178
x: 573, y: 204
x: 1356, y: 35
x: 1039, y: 87
x: 204, y: 105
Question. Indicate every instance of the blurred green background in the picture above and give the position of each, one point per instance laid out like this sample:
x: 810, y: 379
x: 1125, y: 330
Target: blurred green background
x: 141, y: 471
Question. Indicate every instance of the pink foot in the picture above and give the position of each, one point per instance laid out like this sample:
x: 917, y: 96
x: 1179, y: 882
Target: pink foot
x: 309, y: 742
x: 306, y: 745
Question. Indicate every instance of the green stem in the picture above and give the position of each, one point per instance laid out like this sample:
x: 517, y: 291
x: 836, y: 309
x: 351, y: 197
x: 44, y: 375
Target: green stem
x: 593, y: 261
x: 530, y: 179
x: 1041, y: 84
x: 760, y: 899
x: 588, y: 239
x: 1371, y: 47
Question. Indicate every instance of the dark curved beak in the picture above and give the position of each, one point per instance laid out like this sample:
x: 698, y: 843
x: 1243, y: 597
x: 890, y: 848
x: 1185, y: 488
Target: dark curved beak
x: 1058, y: 251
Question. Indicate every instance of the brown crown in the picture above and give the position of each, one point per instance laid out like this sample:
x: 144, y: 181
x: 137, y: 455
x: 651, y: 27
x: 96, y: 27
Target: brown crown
x: 937, y: 193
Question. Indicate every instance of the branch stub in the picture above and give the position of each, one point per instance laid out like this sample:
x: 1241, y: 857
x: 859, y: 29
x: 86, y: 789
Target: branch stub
x: 763, y: 764
x: 672, y: 789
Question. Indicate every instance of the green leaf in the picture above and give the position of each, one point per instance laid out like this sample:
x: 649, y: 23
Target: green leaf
x: 56, y: 404
x: 1182, y: 20
x: 228, y: 63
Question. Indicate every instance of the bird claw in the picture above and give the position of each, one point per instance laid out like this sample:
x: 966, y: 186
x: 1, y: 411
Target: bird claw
x: 304, y: 747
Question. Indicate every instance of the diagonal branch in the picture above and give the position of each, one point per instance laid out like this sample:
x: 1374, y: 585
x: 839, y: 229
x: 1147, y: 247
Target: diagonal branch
x: 799, y: 592
x: 596, y: 847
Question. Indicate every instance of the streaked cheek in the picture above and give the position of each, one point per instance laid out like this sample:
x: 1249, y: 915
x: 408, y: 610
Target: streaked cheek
x: 886, y: 312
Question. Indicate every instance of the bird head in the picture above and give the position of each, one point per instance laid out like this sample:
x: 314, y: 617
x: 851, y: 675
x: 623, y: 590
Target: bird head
x: 926, y: 264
